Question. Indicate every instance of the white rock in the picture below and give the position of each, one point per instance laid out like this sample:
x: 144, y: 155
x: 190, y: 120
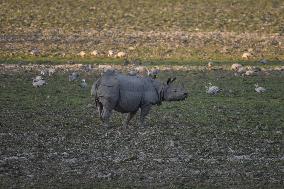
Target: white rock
x: 35, y: 52
x: 236, y: 67
x: 94, y: 53
x: 73, y: 76
x: 38, y: 83
x: 259, y: 89
x: 82, y: 53
x: 213, y: 90
x: 241, y: 70
x: 43, y: 72
x: 110, y: 53
x: 140, y: 69
x: 83, y: 84
x: 250, y: 73
x: 250, y: 50
x: 153, y: 73
x: 51, y: 71
x: 120, y: 55
x: 39, y: 77
x: 210, y: 65
x: 246, y: 55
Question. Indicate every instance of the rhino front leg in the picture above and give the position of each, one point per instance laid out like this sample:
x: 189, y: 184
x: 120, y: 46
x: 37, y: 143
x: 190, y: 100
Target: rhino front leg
x: 144, y: 112
x: 128, y: 118
x: 100, y: 109
x: 105, y: 116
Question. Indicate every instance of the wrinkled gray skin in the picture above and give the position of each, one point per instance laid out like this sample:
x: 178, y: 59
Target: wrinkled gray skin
x: 126, y: 94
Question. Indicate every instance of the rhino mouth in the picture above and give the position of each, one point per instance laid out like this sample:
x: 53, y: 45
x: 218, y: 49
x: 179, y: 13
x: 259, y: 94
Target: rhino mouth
x: 183, y: 97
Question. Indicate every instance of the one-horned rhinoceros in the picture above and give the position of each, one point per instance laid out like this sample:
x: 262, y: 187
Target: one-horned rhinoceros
x: 126, y: 94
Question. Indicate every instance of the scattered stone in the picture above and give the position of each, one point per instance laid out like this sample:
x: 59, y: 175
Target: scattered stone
x: 120, y: 55
x: 73, y: 76
x: 225, y: 50
x: 212, y: 90
x: 44, y: 72
x: 83, y: 84
x: 51, y: 71
x: 38, y: 81
x: 87, y: 68
x: 263, y: 61
x: 210, y: 65
x: 110, y: 53
x: 38, y: 77
x: 35, y: 52
x: 140, y: 69
x: 255, y: 69
x: 246, y: 55
x: 94, y: 53
x: 236, y: 67
x: 82, y: 53
x: 250, y: 73
x: 241, y: 70
x: 250, y: 50
x: 131, y: 48
x: 153, y: 73
x: 259, y: 89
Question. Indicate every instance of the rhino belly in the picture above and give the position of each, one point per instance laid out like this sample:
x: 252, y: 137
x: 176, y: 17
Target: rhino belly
x: 129, y: 102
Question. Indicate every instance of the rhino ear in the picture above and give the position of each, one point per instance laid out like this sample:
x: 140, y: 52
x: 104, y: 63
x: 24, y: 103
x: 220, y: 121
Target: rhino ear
x: 169, y: 80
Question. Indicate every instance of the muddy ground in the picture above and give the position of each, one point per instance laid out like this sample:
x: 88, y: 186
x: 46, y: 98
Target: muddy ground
x: 51, y: 136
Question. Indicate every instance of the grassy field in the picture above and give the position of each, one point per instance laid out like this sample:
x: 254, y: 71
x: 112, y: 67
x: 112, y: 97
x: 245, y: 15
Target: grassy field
x: 191, y: 15
x: 51, y: 136
x: 159, y: 30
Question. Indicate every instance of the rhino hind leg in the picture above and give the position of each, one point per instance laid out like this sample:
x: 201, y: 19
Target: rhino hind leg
x: 144, y: 112
x: 128, y: 118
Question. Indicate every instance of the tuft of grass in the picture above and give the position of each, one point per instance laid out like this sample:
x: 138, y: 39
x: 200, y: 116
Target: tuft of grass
x: 205, y: 15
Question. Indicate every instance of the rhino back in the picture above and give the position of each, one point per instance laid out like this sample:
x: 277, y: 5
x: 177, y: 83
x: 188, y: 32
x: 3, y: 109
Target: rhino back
x: 135, y: 92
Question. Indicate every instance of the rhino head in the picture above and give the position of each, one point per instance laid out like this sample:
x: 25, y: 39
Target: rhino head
x: 173, y: 92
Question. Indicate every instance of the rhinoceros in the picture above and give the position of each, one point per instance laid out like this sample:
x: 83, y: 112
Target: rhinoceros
x: 129, y: 93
